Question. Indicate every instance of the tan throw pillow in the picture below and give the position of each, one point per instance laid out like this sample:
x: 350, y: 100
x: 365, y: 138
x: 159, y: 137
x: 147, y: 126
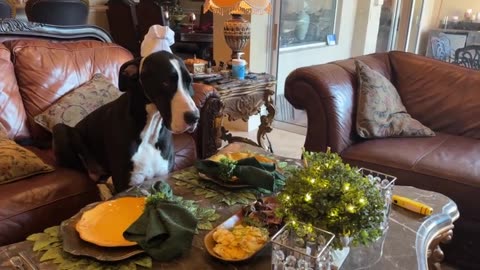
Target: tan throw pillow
x: 78, y: 103
x: 17, y: 162
x: 380, y: 111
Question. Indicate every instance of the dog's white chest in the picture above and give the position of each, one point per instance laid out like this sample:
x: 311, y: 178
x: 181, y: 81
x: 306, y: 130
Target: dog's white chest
x: 148, y: 161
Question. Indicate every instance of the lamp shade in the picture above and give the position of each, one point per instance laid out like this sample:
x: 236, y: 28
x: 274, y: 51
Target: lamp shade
x: 247, y: 6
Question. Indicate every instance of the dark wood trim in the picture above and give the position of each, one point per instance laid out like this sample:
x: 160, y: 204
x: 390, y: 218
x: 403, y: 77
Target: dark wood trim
x: 16, y: 28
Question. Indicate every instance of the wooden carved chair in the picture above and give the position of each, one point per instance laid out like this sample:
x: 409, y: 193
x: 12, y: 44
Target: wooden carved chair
x: 149, y: 12
x: 129, y: 21
x: 468, y: 57
x: 123, y: 23
x: 57, y: 12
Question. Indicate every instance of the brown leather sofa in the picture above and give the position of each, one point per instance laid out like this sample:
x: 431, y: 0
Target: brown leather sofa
x: 69, y: 56
x: 442, y: 96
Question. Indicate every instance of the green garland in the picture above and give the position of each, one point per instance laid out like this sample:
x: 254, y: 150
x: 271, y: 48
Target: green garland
x: 331, y: 195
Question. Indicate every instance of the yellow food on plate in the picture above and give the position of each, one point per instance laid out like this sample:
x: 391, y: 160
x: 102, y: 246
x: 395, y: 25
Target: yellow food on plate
x: 191, y: 61
x: 241, y: 155
x: 240, y: 242
x: 104, y: 224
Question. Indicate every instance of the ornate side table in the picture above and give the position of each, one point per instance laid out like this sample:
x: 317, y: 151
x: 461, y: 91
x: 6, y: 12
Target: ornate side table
x: 243, y: 98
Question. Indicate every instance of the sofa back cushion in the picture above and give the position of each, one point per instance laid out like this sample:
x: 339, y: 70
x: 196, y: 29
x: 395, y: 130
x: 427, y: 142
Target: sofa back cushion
x: 442, y: 96
x: 47, y: 70
x: 12, y: 112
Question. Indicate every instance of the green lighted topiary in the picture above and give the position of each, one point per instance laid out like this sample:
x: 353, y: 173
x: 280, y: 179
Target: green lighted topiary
x: 331, y: 195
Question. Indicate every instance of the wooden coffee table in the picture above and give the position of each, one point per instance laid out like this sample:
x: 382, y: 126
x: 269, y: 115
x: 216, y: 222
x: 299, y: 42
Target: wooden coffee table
x: 411, y: 241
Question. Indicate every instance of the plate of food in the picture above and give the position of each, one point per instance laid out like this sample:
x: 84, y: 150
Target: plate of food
x: 242, y: 235
x: 104, y: 224
x: 226, y: 163
x: 236, y: 156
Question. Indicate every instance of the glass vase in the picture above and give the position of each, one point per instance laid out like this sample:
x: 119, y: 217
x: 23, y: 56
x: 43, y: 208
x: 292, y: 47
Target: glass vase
x: 300, y: 246
x: 385, y: 184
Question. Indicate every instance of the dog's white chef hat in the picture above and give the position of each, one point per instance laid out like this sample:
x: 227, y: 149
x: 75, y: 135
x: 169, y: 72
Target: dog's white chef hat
x: 158, y: 38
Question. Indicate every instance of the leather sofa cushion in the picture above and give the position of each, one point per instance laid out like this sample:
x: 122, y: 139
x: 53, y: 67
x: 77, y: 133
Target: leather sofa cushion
x: 34, y: 203
x: 452, y: 102
x: 47, y: 70
x: 185, y: 151
x: 379, y: 62
x: 12, y: 112
x: 445, y: 163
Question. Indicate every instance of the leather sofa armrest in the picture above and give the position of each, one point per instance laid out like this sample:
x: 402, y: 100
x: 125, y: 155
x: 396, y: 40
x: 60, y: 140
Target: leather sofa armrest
x: 207, y: 100
x: 202, y: 92
x: 327, y: 94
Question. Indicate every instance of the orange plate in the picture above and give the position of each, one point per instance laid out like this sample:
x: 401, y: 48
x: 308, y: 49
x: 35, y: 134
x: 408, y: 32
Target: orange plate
x: 105, y: 223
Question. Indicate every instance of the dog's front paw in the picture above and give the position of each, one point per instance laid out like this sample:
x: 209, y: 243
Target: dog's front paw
x: 137, y: 179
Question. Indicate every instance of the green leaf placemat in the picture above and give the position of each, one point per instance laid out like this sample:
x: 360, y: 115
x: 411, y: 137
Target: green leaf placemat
x: 189, y: 178
x: 50, y: 243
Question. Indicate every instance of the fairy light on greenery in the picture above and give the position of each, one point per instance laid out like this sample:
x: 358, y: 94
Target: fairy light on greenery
x: 350, y: 208
x: 362, y: 201
x: 328, y: 194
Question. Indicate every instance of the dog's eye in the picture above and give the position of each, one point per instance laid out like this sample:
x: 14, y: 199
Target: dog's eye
x: 173, y: 76
x: 165, y: 84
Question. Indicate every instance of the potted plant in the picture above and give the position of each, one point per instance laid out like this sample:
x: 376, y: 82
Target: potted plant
x: 331, y: 195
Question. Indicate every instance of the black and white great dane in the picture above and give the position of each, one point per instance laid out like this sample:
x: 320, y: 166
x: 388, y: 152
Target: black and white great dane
x: 130, y: 138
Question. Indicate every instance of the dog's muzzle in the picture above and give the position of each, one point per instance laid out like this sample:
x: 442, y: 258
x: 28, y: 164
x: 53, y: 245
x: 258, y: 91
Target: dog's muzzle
x: 191, y: 119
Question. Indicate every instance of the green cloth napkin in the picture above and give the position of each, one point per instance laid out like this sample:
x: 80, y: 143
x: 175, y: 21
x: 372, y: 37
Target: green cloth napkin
x: 165, y: 230
x: 248, y: 170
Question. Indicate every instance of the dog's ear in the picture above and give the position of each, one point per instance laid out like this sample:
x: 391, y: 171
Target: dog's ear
x: 128, y: 75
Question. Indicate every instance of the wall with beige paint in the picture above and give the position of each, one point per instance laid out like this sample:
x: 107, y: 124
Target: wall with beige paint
x: 435, y: 10
x: 456, y: 8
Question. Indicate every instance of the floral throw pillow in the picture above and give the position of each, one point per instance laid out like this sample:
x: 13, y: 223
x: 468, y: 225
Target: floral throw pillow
x: 17, y: 162
x: 380, y: 111
x: 78, y: 103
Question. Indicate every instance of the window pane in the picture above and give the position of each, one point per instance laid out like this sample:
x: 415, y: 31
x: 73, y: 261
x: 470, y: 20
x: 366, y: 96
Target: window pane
x: 306, y: 21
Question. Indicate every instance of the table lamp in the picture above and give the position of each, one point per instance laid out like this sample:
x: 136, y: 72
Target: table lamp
x: 237, y: 30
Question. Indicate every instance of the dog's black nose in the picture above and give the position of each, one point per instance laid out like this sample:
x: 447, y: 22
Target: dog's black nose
x: 191, y: 117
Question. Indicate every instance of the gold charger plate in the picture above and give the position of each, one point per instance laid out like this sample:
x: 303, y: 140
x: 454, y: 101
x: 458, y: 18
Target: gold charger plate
x: 73, y: 244
x: 104, y: 224
x: 228, y: 224
x: 234, y: 156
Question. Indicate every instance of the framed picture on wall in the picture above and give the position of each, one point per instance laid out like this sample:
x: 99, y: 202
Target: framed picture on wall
x: 444, y: 44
